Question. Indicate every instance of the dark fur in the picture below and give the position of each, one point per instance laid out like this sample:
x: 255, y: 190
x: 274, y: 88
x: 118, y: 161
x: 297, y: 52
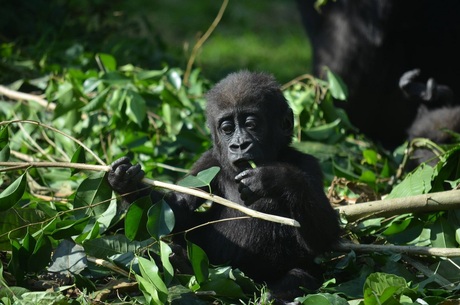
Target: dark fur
x: 285, y: 182
x: 372, y: 43
x: 435, y: 125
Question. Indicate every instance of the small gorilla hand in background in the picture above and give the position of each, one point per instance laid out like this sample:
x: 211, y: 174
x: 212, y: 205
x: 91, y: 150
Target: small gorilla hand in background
x: 250, y: 122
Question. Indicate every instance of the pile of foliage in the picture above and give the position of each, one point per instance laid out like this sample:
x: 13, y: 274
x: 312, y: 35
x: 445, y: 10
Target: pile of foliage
x: 66, y: 239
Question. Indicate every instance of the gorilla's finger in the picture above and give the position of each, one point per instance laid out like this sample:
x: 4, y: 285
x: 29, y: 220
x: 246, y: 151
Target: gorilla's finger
x: 118, y: 162
x: 122, y: 169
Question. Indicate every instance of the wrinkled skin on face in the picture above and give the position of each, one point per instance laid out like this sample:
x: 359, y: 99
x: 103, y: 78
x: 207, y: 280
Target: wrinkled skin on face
x: 251, y: 128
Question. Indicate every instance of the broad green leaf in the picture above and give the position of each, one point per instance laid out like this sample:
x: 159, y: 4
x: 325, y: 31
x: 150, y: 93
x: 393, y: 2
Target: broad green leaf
x: 136, y: 109
x: 150, y: 272
x: 16, y: 222
x: 5, y: 153
x: 107, y: 246
x: 223, y: 287
x: 136, y: 219
x: 4, y: 147
x: 108, y: 61
x: 149, y: 291
x: 203, y: 178
x: 175, y: 79
x: 41, y: 254
x: 78, y: 157
x: 168, y: 269
x: 337, y: 87
x: 69, y: 227
x: 68, y: 258
x: 4, y: 136
x: 415, y: 183
x: 13, y: 193
x: 324, y: 131
x: 143, y: 75
x: 160, y: 220
x: 200, y: 262
x: 370, y: 156
x: 95, y: 194
x: 97, y: 102
x: 443, y: 234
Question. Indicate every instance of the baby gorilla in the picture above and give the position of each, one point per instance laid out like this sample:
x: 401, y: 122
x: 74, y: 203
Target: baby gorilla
x: 250, y: 121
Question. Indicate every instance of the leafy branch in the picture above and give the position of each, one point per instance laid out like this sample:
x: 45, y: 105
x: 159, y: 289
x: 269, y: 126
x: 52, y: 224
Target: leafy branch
x: 155, y: 183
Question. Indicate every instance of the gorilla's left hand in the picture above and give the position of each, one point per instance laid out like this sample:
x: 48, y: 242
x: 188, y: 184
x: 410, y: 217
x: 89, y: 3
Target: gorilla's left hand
x: 124, y: 177
x: 256, y: 183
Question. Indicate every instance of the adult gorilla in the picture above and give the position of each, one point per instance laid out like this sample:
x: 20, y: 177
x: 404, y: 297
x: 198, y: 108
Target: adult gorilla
x: 250, y: 120
x: 372, y: 43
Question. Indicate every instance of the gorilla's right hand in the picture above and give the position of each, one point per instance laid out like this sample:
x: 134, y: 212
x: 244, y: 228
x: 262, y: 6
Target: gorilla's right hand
x: 124, y: 177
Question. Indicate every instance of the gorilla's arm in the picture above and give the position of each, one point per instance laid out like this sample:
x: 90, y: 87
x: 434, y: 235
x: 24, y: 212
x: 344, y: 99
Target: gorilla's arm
x: 125, y: 179
x: 296, y: 186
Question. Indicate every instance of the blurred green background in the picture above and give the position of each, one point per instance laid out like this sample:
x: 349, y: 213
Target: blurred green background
x: 258, y: 35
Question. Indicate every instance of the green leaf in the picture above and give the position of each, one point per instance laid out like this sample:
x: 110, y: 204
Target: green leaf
x: 203, y: 178
x: 150, y: 272
x: 69, y: 227
x: 443, y: 234
x: 108, y: 61
x: 107, y: 246
x: 324, y: 131
x: 415, y: 183
x: 136, y: 219
x: 5, y: 153
x: 13, y: 193
x: 41, y: 254
x: 370, y: 156
x: 78, y: 157
x: 200, y: 262
x: 136, y: 109
x: 160, y: 220
x: 168, y: 269
x: 337, y: 87
x: 4, y: 136
x: 94, y: 193
x: 4, y: 147
x: 68, y: 258
x: 97, y: 102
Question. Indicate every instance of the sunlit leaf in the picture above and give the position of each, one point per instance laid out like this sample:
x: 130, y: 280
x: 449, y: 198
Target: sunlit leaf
x: 337, y: 87
x: 95, y: 194
x: 135, y: 107
x: 13, y: 193
x: 150, y: 272
x: 168, y: 269
x: 203, y: 178
x: 97, y: 102
x: 108, y: 61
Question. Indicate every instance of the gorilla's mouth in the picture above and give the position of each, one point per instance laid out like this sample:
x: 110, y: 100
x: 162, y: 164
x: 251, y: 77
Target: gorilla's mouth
x: 243, y: 163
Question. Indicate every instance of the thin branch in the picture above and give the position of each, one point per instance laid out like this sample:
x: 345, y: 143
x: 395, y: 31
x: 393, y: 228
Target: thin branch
x: 110, y: 266
x: 155, y: 183
x: 202, y: 40
x: 413, y: 250
x: 16, y: 95
x: 59, y: 132
x: 447, y: 200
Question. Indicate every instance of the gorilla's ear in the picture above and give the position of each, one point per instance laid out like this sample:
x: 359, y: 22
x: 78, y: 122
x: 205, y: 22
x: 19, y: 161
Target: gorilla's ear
x: 287, y: 123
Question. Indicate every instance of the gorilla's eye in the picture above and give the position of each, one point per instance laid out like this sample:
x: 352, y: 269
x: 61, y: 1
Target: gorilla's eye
x: 250, y: 123
x: 227, y: 127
